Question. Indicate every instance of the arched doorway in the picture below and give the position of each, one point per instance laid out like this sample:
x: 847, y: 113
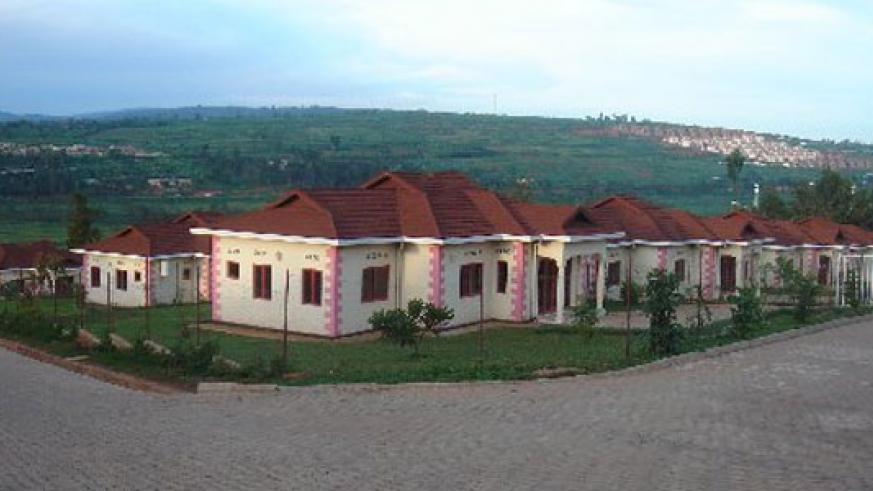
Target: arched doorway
x: 547, y: 286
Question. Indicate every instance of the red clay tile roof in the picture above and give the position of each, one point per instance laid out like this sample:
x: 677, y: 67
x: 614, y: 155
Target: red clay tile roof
x: 548, y: 219
x: 826, y: 232
x: 394, y: 204
x: 199, y: 218
x: 327, y: 213
x: 155, y: 239
x: 27, y: 255
x: 642, y: 220
x: 739, y: 226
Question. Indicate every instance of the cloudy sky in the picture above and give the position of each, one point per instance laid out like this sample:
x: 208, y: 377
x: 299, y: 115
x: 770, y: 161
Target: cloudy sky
x: 790, y: 66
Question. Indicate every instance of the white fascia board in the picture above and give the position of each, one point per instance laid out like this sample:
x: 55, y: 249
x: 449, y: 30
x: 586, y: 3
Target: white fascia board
x: 137, y: 256
x: 580, y: 238
x: 403, y: 239
x: 105, y: 253
x: 19, y: 270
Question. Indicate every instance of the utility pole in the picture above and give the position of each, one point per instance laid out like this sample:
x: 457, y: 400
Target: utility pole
x: 197, y: 303
x: 108, y: 301
x: 627, y: 300
x: 148, y: 298
x: 285, y: 321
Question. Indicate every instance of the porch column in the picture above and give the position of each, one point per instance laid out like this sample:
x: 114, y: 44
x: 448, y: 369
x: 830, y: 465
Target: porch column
x: 599, y: 280
x: 559, y: 302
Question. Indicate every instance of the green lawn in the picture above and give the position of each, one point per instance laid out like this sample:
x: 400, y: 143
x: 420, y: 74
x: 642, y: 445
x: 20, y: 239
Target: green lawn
x: 510, y: 352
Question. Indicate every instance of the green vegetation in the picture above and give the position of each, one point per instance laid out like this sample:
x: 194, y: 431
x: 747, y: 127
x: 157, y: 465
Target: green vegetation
x: 747, y: 314
x: 734, y: 165
x: 246, y: 161
x: 662, y: 301
x: 512, y: 352
x: 831, y: 196
x: 802, y: 289
x: 407, y: 327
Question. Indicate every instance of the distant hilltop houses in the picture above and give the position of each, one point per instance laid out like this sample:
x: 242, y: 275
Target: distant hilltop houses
x: 758, y: 148
x: 76, y: 150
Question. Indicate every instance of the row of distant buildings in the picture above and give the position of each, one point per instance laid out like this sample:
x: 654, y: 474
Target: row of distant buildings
x: 329, y: 258
x: 75, y: 150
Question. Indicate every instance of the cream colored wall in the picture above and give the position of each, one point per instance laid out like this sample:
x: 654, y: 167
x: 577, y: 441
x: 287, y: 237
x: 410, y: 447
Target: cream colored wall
x: 644, y: 260
x: 235, y: 296
x: 416, y: 273
x: 354, y: 312
x: 134, y: 296
x: 495, y: 305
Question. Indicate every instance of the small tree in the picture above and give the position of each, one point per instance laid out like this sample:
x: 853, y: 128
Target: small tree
x: 662, y: 300
x: 584, y: 315
x: 408, y: 327
x: 852, y: 289
x: 802, y: 289
x: 747, y: 314
x: 81, y: 229
x: 734, y: 164
x: 636, y: 292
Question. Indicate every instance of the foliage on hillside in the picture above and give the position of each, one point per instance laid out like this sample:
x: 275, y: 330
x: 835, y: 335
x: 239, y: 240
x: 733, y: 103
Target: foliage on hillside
x: 244, y: 161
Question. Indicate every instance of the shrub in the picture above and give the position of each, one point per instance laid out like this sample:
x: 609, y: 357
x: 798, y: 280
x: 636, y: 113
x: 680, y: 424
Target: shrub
x: 31, y: 324
x: 636, y: 292
x: 193, y: 359
x: 802, y: 289
x: 662, y: 300
x: 703, y: 314
x: 408, y: 327
x: 747, y: 314
x: 584, y: 315
x: 852, y: 289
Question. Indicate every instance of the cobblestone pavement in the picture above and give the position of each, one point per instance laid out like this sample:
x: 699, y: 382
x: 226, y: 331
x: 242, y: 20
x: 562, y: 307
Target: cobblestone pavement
x: 791, y: 415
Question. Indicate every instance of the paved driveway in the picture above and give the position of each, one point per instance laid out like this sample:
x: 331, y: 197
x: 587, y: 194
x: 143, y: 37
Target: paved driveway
x: 792, y: 415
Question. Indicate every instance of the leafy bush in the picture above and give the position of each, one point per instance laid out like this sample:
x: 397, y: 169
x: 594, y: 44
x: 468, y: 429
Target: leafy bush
x: 747, y: 314
x: 408, y: 327
x: 852, y: 289
x: 260, y: 368
x: 584, y: 315
x: 802, y: 289
x: 193, y: 359
x: 29, y: 323
x: 662, y: 300
x: 636, y: 292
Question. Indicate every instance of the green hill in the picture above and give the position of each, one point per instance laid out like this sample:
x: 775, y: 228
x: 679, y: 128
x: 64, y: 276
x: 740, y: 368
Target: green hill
x: 244, y: 157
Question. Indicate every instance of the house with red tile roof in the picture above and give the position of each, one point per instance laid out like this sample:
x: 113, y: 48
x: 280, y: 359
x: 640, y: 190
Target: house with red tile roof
x: 149, y: 264
x: 816, y: 246
x: 21, y: 262
x: 715, y: 253
x: 330, y: 258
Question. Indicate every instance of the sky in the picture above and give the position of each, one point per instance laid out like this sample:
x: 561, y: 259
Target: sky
x: 798, y: 67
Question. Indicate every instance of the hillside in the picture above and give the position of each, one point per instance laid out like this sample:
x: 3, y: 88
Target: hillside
x: 163, y: 160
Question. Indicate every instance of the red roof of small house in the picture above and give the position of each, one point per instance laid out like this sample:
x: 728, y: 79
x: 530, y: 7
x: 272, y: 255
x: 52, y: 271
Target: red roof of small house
x: 642, y: 220
x: 149, y: 240
x: 395, y: 204
x: 826, y: 232
x: 327, y: 213
x: 549, y: 219
x: 445, y: 204
x: 28, y: 255
x: 199, y: 218
x: 740, y: 226
x: 855, y: 235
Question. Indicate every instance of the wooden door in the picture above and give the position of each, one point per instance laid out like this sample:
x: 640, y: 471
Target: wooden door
x: 547, y: 286
x: 728, y: 274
